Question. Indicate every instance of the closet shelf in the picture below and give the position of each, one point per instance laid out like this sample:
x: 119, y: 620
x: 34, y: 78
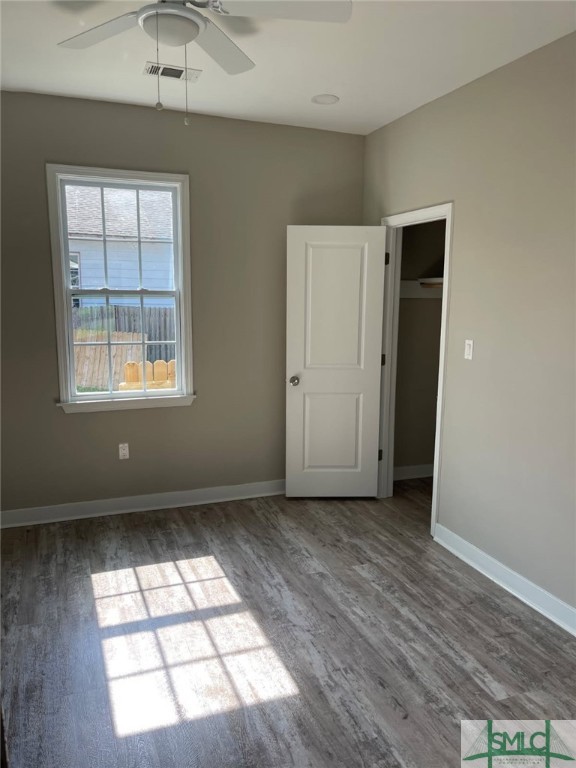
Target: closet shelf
x: 424, y: 288
x: 431, y: 282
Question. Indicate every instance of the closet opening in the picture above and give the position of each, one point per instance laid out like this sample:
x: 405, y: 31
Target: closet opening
x: 418, y: 351
x: 415, y: 331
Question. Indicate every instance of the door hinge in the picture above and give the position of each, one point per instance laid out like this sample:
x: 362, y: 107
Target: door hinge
x: 383, y: 361
x: 380, y: 454
x: 387, y: 259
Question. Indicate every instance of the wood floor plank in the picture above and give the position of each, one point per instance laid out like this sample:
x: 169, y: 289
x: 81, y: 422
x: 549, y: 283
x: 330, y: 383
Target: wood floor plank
x: 264, y: 633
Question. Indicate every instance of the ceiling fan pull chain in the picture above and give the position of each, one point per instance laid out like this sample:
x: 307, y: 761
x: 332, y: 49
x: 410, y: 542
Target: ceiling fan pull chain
x: 159, y: 104
x: 186, y: 118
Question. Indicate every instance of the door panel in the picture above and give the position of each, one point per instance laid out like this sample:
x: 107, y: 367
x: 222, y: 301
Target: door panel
x: 332, y: 430
x: 334, y: 337
x: 335, y: 288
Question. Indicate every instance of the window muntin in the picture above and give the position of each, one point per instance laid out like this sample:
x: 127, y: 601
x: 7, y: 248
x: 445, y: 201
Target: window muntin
x: 124, y: 318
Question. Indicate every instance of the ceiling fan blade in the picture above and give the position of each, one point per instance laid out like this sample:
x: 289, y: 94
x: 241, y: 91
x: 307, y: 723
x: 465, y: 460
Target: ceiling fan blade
x: 74, y: 6
x: 102, y: 31
x: 239, y: 26
x: 305, y: 10
x: 223, y: 50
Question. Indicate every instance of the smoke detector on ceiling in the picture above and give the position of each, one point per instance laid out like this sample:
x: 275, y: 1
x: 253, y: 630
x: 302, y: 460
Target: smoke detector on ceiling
x: 172, y: 71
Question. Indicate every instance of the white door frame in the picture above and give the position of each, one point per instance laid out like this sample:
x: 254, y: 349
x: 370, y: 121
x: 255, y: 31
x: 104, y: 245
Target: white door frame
x: 390, y: 344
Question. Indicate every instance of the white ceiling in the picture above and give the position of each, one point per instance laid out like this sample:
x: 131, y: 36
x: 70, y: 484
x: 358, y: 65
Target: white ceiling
x: 389, y: 59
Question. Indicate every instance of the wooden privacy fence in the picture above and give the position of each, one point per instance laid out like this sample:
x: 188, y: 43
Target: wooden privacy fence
x: 92, y: 357
x: 91, y: 365
x: 91, y: 361
x: 159, y: 375
x: 158, y: 322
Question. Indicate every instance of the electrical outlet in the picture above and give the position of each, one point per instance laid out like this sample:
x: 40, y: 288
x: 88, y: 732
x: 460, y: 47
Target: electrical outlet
x: 123, y: 451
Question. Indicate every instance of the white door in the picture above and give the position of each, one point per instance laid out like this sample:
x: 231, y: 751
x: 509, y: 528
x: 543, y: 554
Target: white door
x: 333, y: 357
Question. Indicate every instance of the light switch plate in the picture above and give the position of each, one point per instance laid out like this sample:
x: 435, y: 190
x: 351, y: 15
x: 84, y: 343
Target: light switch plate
x: 468, y: 349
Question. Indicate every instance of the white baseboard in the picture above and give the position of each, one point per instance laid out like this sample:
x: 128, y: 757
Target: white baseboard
x: 413, y: 473
x: 15, y: 518
x: 542, y: 601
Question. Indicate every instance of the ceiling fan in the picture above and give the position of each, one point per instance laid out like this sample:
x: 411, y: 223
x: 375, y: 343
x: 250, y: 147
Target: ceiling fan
x: 175, y: 23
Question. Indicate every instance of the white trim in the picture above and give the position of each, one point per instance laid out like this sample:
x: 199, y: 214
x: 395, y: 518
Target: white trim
x: 152, y: 401
x: 396, y: 222
x: 186, y: 341
x: 388, y: 378
x: 15, y: 518
x: 56, y: 238
x: 413, y: 472
x: 542, y: 601
x: 179, y: 185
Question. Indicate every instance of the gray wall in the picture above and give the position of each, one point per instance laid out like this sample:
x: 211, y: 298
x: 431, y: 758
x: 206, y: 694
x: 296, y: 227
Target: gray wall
x: 417, y: 381
x: 503, y: 149
x: 248, y: 181
x: 418, y: 348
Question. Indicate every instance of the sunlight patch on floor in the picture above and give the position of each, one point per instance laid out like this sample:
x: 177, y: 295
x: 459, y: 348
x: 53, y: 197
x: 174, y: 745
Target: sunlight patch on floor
x: 178, y: 645
x: 143, y: 702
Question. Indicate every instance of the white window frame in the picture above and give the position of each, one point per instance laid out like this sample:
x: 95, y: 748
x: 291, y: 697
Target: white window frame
x: 70, y: 401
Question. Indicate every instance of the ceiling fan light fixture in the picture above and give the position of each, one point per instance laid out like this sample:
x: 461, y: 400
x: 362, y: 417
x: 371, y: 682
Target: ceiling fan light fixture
x: 325, y: 99
x: 172, y: 30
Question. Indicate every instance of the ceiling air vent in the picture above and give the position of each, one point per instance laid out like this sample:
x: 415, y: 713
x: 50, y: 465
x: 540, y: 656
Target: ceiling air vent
x: 172, y: 71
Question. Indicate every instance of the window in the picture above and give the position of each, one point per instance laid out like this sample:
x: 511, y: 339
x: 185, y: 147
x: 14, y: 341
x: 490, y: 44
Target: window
x: 120, y: 253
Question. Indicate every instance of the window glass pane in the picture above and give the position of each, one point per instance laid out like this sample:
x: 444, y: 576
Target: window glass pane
x: 89, y: 319
x: 127, y: 367
x: 159, y: 332
x: 120, y: 212
x: 84, y: 217
x: 159, y: 318
x: 156, y: 232
x: 157, y: 266
x: 125, y: 319
x: 83, y: 211
x: 162, y: 366
x: 86, y: 263
x: 91, y: 368
x: 156, y: 223
x: 123, y: 265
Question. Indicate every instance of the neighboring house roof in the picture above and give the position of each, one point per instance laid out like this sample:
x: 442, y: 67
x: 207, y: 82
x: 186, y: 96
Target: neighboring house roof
x: 84, y: 213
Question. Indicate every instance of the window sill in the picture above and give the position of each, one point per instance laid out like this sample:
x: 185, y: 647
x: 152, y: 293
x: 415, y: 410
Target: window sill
x: 89, y: 406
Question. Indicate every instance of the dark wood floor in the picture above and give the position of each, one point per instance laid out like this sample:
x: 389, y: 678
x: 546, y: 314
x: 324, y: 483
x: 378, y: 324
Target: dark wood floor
x: 265, y: 634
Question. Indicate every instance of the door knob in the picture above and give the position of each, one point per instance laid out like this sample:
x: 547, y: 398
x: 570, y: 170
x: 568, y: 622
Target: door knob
x: 294, y: 381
